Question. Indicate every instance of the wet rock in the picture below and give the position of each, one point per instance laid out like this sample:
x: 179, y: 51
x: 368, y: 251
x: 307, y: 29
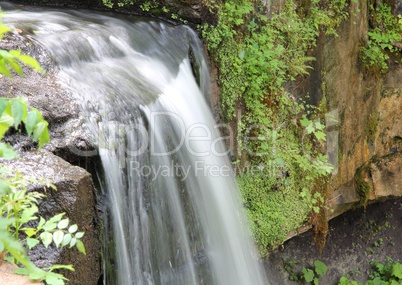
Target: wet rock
x: 69, y: 139
x: 368, y: 108
x: 74, y: 196
x: 193, y: 11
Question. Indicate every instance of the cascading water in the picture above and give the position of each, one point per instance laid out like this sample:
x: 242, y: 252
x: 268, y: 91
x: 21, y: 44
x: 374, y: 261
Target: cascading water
x: 172, y: 211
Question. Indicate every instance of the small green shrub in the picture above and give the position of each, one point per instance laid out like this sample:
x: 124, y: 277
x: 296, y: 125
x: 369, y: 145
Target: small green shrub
x: 308, y: 275
x: 18, y: 206
x: 386, y: 30
x: 389, y: 273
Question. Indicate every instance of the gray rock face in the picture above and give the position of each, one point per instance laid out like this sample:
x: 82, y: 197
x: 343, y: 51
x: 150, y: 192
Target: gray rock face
x: 74, y: 196
x: 75, y: 193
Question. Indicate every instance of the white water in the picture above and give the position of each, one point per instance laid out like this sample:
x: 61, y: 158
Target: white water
x: 171, y: 205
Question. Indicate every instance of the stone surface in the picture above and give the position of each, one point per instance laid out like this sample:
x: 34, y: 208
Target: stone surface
x: 76, y: 194
x: 69, y: 137
x: 8, y: 277
x: 193, y: 11
x: 368, y: 108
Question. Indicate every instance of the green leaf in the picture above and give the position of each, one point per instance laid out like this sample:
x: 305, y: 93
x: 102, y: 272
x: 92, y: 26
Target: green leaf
x: 39, y: 129
x: 32, y: 242
x: 397, y: 270
x: 54, y: 280
x: 73, y: 242
x: 66, y: 240
x: 45, y: 138
x: 3, y: 29
x: 28, y: 214
x: 320, y: 135
x: 3, y: 68
x: 31, y: 121
x: 63, y: 224
x: 319, y: 126
x: 23, y: 271
x: 305, y: 122
x: 62, y: 266
x: 41, y: 133
x: 49, y: 226
x: 320, y: 267
x: 58, y: 237
x: 4, y: 188
x: 46, y: 238
x: 37, y: 275
x: 1, y: 246
x: 42, y: 221
x: 80, y: 247
x: 73, y: 229
x: 15, y: 65
x: 7, y: 151
x: 6, y: 121
x: 310, y: 129
x: 29, y: 231
x: 27, y: 60
x: 19, y: 112
x: 308, y: 274
x: 3, y: 105
x: 55, y: 219
x: 79, y: 235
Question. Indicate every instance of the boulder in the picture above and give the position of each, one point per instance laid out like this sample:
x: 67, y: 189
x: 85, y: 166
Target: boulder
x: 76, y: 194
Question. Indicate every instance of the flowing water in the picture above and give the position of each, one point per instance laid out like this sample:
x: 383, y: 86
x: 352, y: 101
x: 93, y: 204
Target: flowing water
x: 171, y: 207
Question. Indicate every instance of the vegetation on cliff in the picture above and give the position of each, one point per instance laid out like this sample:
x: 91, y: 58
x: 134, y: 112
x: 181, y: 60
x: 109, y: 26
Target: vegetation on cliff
x: 20, y: 225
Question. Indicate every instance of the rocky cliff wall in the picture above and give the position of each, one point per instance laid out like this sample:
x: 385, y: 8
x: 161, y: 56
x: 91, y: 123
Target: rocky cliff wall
x: 366, y: 139
x: 57, y: 162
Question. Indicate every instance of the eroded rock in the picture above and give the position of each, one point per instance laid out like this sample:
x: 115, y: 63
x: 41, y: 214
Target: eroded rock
x: 75, y: 193
x: 74, y: 196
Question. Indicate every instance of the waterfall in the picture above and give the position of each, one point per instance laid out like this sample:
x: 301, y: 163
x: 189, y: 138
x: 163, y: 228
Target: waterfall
x: 172, y: 212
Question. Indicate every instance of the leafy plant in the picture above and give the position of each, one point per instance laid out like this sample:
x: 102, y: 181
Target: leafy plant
x: 383, y: 38
x: 389, y: 273
x: 18, y: 206
x: 309, y: 275
x: 257, y: 49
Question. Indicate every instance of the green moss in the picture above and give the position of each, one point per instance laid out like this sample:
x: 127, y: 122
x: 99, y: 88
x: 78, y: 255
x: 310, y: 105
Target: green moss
x: 361, y: 186
x: 274, y: 209
x: 386, y: 29
x: 371, y: 127
x: 256, y: 53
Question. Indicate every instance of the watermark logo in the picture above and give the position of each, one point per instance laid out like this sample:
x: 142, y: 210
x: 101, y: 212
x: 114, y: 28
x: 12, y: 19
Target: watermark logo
x: 162, y: 135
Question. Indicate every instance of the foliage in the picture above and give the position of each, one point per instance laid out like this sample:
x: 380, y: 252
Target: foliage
x: 15, y: 111
x: 151, y: 7
x: 9, y: 60
x: 309, y: 275
x: 386, y: 31
x: 18, y: 206
x: 361, y: 186
x: 314, y: 275
x: 263, y: 47
x: 389, y: 273
x: 267, y: 202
